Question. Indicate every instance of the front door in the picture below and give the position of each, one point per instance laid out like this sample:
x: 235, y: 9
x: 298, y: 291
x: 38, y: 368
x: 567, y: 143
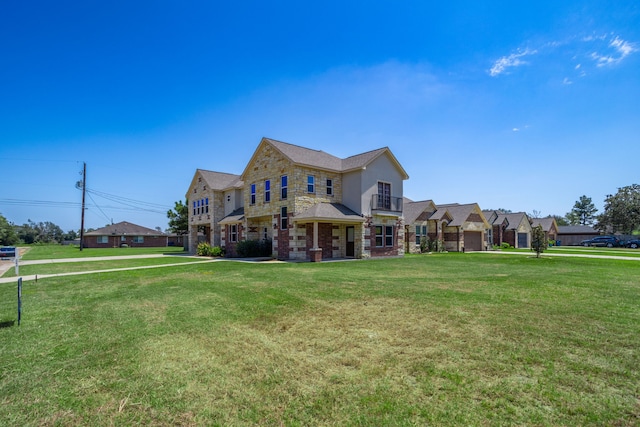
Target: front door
x: 351, y: 239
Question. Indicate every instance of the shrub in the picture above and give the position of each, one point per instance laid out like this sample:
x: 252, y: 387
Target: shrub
x: 505, y: 245
x: 254, y: 248
x: 203, y: 249
x: 217, y: 251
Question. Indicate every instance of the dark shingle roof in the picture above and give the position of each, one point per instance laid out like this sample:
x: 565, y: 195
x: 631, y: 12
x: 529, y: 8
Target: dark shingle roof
x: 459, y: 212
x: 234, y: 217
x: 125, y: 228
x: 220, y: 180
x: 546, y: 223
x: 320, y: 159
x: 412, y: 210
x: 330, y: 211
x: 576, y: 229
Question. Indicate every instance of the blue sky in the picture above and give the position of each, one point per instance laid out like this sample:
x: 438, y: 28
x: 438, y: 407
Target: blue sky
x: 524, y: 107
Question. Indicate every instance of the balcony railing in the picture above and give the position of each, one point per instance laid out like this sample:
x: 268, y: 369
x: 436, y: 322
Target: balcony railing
x: 382, y: 202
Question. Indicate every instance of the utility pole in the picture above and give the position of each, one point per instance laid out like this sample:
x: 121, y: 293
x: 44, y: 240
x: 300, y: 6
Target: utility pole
x: 84, y: 191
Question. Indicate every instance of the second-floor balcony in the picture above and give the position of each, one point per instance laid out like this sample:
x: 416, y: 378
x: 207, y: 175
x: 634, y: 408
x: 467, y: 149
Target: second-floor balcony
x: 384, y: 202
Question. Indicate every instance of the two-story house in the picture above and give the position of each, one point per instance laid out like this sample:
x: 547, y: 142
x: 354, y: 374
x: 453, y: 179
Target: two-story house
x: 313, y: 205
x: 211, y: 197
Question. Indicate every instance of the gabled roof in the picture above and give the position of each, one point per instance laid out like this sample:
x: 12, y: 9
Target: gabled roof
x: 514, y: 219
x: 320, y: 160
x: 412, y: 210
x: 218, y: 181
x: 335, y: 212
x: 546, y: 223
x: 460, y: 213
x: 125, y: 228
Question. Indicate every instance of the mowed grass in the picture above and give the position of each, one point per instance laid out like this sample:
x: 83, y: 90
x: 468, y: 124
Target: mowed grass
x: 472, y: 339
x: 88, y: 265
x: 38, y: 252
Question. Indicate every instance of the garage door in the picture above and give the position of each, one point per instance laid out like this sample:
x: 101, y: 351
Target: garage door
x: 523, y: 240
x: 472, y: 241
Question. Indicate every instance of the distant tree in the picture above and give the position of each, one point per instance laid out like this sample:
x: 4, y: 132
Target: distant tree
x: 621, y: 211
x: 538, y: 240
x: 583, y: 212
x: 40, y: 232
x: 179, y: 218
x: 504, y: 211
x: 70, y: 235
x: 8, y: 234
x: 535, y: 214
x: 560, y: 220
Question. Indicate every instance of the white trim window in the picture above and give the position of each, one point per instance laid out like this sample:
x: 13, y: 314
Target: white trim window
x: 138, y: 239
x: 388, y: 236
x: 384, y: 236
x: 253, y: 194
x: 233, y: 233
x: 379, y: 239
x: 103, y: 239
x: 329, y: 187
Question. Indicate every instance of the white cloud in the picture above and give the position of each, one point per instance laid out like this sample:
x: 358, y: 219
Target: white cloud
x: 601, y: 50
x: 566, y: 81
x: 617, y: 50
x: 513, y: 60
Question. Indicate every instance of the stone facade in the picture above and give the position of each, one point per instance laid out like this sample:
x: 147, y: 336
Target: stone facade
x: 264, y: 203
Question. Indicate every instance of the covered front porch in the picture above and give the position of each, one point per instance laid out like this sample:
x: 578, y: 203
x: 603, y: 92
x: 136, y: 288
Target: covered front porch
x: 327, y: 231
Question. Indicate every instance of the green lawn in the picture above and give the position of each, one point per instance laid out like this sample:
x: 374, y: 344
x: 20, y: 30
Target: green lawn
x: 445, y: 339
x: 89, y: 265
x: 36, y: 252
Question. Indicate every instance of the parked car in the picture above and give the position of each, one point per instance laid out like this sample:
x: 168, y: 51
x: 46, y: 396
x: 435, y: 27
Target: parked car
x: 633, y: 243
x: 608, y: 241
x: 7, y: 252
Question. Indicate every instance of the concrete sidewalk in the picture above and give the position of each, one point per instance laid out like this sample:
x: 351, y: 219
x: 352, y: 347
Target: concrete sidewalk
x: 110, y: 270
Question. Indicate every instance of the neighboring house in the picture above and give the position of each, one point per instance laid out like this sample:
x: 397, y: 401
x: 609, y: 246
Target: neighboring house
x: 517, y: 229
x: 467, y: 229
x: 549, y: 226
x: 495, y: 233
x: 211, y: 196
x: 570, y: 235
x: 124, y: 234
x: 422, y: 222
x: 311, y: 205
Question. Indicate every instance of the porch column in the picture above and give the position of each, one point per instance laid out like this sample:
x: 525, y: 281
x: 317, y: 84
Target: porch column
x: 315, y: 235
x: 315, y: 252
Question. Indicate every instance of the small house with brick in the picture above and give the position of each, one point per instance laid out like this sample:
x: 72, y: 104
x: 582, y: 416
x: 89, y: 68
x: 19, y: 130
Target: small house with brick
x: 549, y: 226
x: 517, y: 229
x: 496, y: 230
x: 422, y: 223
x: 467, y: 229
x: 125, y: 234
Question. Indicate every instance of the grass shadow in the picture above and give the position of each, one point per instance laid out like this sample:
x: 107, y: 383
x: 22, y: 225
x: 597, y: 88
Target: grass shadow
x: 7, y: 323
